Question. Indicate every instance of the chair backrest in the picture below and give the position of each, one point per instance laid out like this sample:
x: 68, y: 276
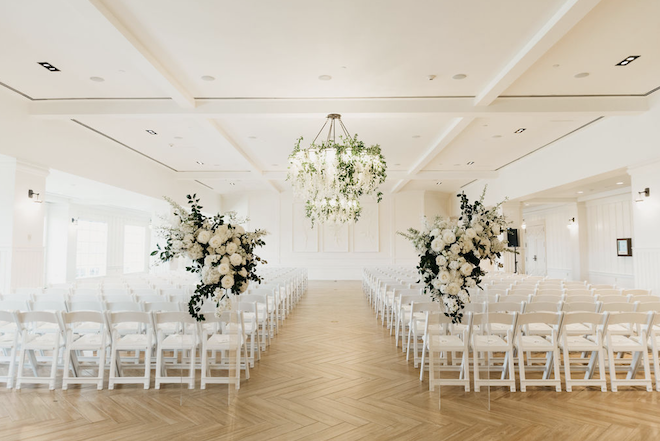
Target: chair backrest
x: 151, y: 298
x: 647, y: 306
x: 84, y: 305
x: 418, y: 298
x: 7, y: 317
x: 577, y: 292
x: 48, y: 305
x: 518, y: 298
x: 613, y: 299
x: 54, y: 296
x: 162, y: 306
x: 592, y: 318
x: 518, y: 290
x: 173, y: 317
x: 581, y: 307
x: 637, y: 292
x: 507, y: 307
x: 550, y: 292
x: 86, y: 292
x: 643, y: 299
x: 14, y: 305
x: 83, y: 317
x: 474, y: 307
x: 542, y: 307
x: 601, y: 286
x: 502, y: 318
x: 607, y: 292
x: 546, y: 299
x: 129, y: 317
x: 617, y: 307
x: 425, y: 306
x: 28, y: 291
x: 114, y: 286
x: 27, y: 317
x: 580, y: 299
x: 123, y: 306
x: 57, y: 291
x: 633, y: 318
x: 496, y: 291
x: 548, y: 318
x: 117, y: 292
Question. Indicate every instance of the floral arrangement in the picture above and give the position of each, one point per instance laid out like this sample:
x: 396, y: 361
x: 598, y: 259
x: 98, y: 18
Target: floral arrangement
x: 450, y: 252
x: 222, y: 252
x: 331, y: 178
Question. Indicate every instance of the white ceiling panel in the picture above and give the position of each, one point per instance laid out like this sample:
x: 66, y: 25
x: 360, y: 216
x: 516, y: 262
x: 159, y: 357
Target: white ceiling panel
x: 445, y: 186
x: 369, y: 47
x: 492, y: 142
x: 178, y: 143
x: 614, y: 30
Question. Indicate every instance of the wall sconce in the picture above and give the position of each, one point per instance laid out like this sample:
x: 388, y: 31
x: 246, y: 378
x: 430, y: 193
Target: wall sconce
x: 74, y: 221
x: 524, y: 225
x: 34, y: 196
x: 643, y: 194
x: 571, y: 222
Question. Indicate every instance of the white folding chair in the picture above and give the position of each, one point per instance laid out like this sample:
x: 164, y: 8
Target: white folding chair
x: 251, y: 323
x: 79, y: 339
x: 637, y: 343
x: 589, y: 340
x: 230, y: 344
x: 9, y: 336
x: 416, y: 326
x: 32, y: 341
x: 487, y: 342
x: 130, y: 341
x: 186, y: 340
x: 529, y: 342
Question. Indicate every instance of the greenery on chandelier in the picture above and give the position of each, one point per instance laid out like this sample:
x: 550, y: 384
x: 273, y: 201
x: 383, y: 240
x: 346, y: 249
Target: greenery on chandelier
x: 332, y: 177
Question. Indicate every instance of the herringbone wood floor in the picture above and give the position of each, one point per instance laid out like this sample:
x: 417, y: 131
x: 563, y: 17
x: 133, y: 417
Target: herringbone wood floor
x: 332, y: 373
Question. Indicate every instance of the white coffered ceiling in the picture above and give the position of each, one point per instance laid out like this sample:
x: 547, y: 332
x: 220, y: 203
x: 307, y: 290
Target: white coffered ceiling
x: 391, y: 65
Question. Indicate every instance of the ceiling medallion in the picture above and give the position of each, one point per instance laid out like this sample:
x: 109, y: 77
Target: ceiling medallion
x: 333, y: 175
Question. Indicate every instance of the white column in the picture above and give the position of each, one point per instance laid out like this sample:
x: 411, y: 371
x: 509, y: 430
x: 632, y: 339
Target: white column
x: 646, y: 222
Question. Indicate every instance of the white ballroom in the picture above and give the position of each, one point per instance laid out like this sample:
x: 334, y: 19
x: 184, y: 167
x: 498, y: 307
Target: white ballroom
x: 302, y: 220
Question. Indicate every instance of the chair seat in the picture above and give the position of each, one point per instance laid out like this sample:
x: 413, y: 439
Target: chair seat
x: 619, y: 330
x: 45, y: 341
x: 490, y: 343
x: 132, y: 341
x: 624, y: 344
x: 579, y: 343
x: 178, y: 341
x: 577, y: 329
x: 535, y: 343
x: 446, y: 343
x: 87, y: 341
x: 222, y: 341
x: 539, y: 329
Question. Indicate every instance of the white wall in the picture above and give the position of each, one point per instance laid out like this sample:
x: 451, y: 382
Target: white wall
x: 330, y: 252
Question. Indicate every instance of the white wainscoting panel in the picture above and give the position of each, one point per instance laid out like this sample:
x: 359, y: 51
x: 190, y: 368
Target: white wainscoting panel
x: 5, y: 269
x: 28, y: 267
x: 365, y: 230
x: 305, y: 238
x: 647, y: 269
x: 335, y: 238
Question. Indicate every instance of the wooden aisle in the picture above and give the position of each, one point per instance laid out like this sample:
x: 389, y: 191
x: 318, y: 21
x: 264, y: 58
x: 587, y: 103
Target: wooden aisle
x: 332, y: 373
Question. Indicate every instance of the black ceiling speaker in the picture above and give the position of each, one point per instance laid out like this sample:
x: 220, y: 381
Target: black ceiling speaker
x: 512, y: 237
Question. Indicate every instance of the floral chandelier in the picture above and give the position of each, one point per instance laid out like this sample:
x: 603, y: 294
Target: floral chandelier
x: 332, y: 176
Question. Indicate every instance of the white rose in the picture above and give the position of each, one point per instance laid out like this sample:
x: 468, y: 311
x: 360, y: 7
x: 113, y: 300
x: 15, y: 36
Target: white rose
x: 223, y: 269
x: 466, y: 269
x: 437, y: 244
x: 455, y: 248
x: 441, y: 261
x: 237, y: 241
x: 243, y: 272
x: 235, y: 259
x: 225, y: 260
x: 467, y: 246
x: 453, y: 289
x: 470, y: 233
x: 478, y: 228
x: 436, y: 283
x: 453, y: 265
x: 444, y: 277
x: 216, y: 241
x: 177, y: 245
x: 227, y: 282
x: 435, y: 232
x: 189, y: 238
x: 448, y: 236
x: 240, y: 230
x: 196, y: 252
x: 203, y: 236
x: 231, y: 248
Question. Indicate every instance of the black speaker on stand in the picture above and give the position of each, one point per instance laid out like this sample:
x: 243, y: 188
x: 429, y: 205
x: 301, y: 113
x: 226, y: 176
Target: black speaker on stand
x: 512, y: 238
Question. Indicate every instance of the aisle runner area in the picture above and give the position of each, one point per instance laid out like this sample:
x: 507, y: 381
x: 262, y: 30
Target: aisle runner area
x: 332, y: 373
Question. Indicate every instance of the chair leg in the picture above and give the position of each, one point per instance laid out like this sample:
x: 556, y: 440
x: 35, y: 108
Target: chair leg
x: 556, y: 366
x: 101, y: 354
x: 521, y: 368
x: 191, y: 374
x: 610, y: 356
x: 466, y: 369
x: 147, y: 367
x: 204, y: 368
x: 647, y: 370
x: 656, y: 368
x: 567, y: 370
x: 431, y: 371
x: 65, y: 373
x: 477, y: 386
x: 159, y: 367
x: 601, y: 370
x: 53, y: 368
x: 12, y: 365
x: 512, y: 371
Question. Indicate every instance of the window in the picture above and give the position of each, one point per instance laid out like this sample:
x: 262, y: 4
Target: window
x: 91, y: 249
x: 134, y: 249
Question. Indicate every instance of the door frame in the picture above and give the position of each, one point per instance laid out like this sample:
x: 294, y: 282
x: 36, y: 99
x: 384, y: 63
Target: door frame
x: 533, y: 224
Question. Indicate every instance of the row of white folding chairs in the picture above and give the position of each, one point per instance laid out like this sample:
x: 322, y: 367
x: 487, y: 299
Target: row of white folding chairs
x: 566, y: 298
x: 548, y: 333
x: 68, y: 335
x: 36, y: 292
x: 176, y: 296
x: 571, y: 291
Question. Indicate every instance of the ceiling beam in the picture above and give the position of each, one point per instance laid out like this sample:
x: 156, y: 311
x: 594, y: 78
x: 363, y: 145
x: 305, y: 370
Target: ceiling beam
x: 216, y: 131
x: 448, y: 135
x: 453, y: 107
x: 424, y: 175
x: 568, y: 15
x: 96, y: 12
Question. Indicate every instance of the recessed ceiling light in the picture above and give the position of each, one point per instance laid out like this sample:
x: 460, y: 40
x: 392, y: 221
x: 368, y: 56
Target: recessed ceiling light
x: 151, y: 132
x: 275, y: 165
x: 582, y: 75
x: 397, y: 164
x: 178, y: 137
x: 252, y: 137
x: 459, y: 76
x: 200, y: 162
x: 520, y: 130
x: 470, y: 163
x: 416, y: 136
x: 97, y: 79
x: 628, y: 60
x: 561, y: 120
x: 555, y: 65
x: 619, y: 183
x: 208, y: 78
x: 325, y: 78
x: 497, y: 136
x: 580, y: 192
x: 48, y: 66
